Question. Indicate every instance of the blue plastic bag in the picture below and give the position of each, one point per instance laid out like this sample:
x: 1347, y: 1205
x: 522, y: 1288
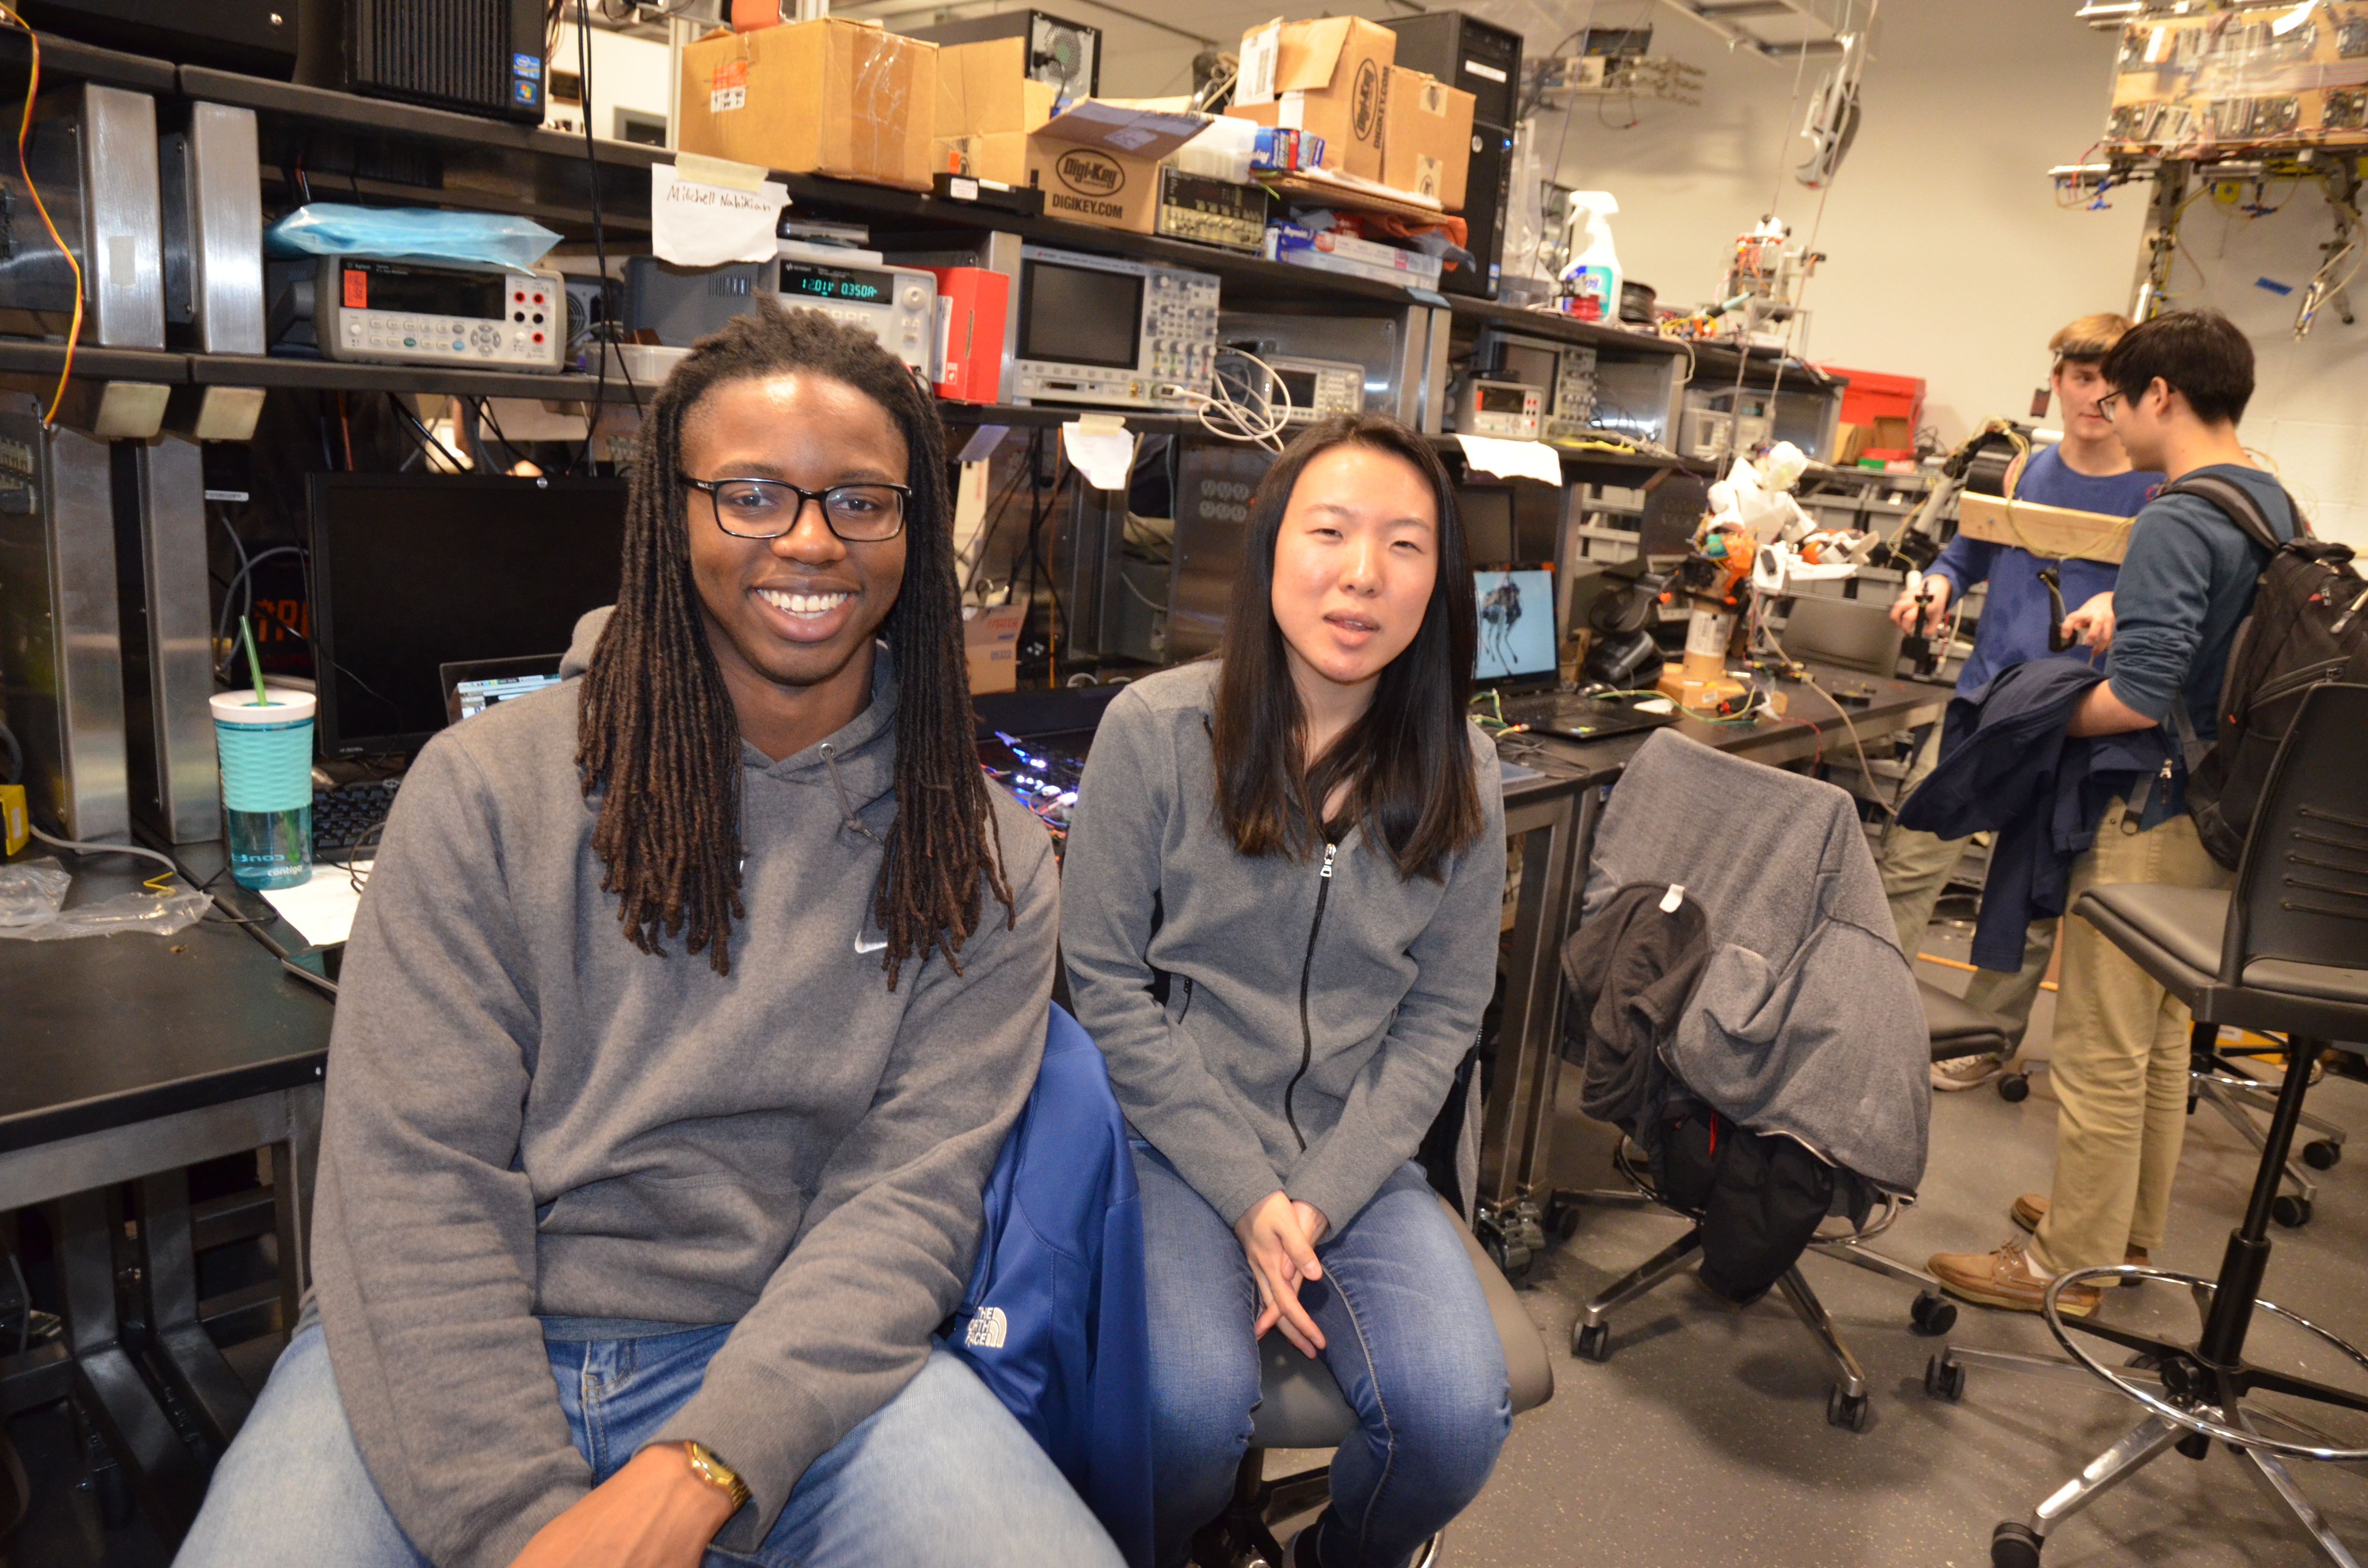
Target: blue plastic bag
x: 409, y: 233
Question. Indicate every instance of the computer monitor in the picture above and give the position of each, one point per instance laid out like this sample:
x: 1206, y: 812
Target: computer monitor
x: 1488, y: 513
x: 415, y: 572
x: 1517, y: 623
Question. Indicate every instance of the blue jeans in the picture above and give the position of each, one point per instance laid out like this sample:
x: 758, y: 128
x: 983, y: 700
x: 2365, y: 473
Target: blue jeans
x: 941, y: 1474
x: 1406, y: 1335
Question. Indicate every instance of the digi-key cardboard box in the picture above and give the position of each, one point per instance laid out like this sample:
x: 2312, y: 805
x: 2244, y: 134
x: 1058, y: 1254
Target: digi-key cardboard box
x: 1328, y: 76
x: 1426, y: 136
x: 1099, y: 161
x: 987, y: 106
x: 828, y: 97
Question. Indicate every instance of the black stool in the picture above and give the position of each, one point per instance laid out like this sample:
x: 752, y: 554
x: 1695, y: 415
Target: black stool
x: 2280, y: 952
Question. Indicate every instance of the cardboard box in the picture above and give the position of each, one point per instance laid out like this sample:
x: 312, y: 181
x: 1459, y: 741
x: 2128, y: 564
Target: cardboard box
x: 991, y: 647
x: 827, y: 97
x: 1328, y: 76
x: 1000, y: 155
x: 1426, y: 136
x: 1099, y: 163
x: 984, y: 89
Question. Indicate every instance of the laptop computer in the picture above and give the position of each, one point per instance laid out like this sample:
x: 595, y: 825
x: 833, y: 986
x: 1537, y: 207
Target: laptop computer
x: 1517, y: 668
x: 475, y: 684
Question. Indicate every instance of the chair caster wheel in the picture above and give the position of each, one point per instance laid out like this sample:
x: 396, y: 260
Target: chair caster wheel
x: 1931, y: 1315
x: 1944, y: 1379
x: 1511, y: 1258
x: 2014, y: 1088
x: 2322, y: 1155
x: 1591, y: 1344
x: 1847, y: 1410
x: 2014, y: 1546
x: 2291, y: 1211
x: 1562, y: 1220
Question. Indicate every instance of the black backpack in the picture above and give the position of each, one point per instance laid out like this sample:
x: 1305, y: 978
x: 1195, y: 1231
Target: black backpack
x: 2308, y: 625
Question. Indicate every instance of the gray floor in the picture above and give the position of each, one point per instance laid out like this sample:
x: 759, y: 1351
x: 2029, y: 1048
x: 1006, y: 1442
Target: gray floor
x: 1704, y: 1439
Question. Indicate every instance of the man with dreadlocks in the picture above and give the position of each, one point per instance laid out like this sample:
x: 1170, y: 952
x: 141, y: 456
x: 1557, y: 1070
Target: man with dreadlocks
x: 684, y: 1018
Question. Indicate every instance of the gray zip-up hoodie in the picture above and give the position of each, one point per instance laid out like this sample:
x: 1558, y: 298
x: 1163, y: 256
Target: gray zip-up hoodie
x: 1316, y: 1009
x: 529, y: 1116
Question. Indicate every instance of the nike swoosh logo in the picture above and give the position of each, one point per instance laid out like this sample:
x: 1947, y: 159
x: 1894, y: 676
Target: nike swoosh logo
x: 863, y: 947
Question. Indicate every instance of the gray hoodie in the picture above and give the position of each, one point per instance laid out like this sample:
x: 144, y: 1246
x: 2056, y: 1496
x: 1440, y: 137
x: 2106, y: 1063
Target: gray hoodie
x: 529, y: 1117
x: 1316, y: 1009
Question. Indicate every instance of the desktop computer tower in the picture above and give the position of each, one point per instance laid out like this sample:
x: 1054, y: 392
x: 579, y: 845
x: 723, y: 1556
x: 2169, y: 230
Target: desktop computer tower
x: 1063, y: 54
x: 482, y: 57
x: 1485, y: 60
x: 60, y: 640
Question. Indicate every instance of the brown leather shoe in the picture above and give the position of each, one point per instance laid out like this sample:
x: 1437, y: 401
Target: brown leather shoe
x: 2005, y: 1279
x: 2031, y: 1208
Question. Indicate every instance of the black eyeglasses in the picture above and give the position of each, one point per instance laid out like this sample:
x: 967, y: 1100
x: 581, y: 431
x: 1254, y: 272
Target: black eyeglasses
x: 2105, y: 406
x: 768, y: 508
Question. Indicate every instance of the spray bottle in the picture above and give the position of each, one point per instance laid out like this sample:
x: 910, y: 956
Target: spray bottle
x: 1591, y: 282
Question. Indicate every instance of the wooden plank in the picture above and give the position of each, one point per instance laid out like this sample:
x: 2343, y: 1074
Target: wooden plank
x: 2049, y: 532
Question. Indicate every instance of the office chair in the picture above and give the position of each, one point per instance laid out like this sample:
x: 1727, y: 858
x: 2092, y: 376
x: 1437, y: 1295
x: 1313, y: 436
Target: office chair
x: 1300, y: 1407
x: 1957, y: 1030
x: 2280, y: 951
x: 1699, y: 788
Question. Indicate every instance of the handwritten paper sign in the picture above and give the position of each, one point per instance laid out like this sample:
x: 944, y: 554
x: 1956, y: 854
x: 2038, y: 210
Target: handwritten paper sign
x: 711, y: 213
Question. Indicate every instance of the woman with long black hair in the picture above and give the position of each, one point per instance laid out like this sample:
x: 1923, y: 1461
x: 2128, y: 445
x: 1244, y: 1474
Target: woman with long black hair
x: 1282, y: 897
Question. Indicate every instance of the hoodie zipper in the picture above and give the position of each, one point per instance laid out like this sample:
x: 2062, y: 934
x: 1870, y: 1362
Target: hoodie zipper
x: 1307, y: 969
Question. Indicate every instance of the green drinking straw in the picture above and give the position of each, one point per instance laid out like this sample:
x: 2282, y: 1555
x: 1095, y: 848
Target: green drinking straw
x: 253, y: 663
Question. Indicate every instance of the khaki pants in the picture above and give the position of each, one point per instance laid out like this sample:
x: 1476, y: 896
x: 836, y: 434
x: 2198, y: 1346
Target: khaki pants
x: 1916, y: 868
x: 2120, y: 1063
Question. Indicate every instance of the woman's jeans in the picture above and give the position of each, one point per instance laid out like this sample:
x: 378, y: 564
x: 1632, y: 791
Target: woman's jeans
x: 1408, y: 1336
x: 941, y: 1474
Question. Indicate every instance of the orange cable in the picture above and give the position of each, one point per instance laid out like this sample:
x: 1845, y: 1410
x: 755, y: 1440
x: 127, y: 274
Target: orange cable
x: 24, y: 129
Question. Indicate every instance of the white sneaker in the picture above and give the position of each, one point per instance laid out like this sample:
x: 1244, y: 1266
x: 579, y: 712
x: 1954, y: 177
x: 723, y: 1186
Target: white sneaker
x: 1967, y: 1071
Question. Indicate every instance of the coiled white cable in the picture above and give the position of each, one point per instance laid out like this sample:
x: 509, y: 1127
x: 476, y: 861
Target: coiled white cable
x: 1255, y: 416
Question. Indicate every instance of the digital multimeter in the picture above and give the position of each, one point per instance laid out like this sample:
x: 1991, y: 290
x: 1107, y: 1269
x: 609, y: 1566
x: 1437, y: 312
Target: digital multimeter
x: 371, y: 311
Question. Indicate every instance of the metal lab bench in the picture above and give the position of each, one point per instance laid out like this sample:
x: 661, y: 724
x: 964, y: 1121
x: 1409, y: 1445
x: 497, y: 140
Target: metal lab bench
x: 130, y: 1058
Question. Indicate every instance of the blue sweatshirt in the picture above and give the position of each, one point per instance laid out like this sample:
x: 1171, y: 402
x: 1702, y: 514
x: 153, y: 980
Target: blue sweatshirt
x: 2187, y: 584
x: 2016, y: 616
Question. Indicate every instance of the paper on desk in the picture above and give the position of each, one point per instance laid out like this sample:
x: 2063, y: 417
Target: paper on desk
x: 1511, y: 460
x: 322, y: 908
x: 711, y: 213
x: 1102, y: 448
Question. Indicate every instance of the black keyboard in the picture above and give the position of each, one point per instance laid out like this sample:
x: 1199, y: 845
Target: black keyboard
x: 349, y: 814
x: 1572, y: 715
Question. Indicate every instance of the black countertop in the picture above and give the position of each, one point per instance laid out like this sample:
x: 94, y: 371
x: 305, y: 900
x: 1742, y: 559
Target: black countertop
x: 107, y: 1031
x: 1812, y: 726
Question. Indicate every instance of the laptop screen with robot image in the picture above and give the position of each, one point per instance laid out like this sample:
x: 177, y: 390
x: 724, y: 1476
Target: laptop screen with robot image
x: 1517, y: 623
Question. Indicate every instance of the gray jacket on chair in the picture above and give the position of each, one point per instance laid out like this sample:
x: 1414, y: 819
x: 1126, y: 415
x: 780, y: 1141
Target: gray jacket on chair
x: 1315, y: 1010
x: 1805, y: 1020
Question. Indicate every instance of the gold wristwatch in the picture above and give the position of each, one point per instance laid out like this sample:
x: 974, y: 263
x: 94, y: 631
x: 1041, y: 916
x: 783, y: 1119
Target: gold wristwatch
x: 716, y: 1474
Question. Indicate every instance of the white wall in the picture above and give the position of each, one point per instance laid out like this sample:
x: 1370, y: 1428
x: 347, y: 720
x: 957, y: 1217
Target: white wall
x: 2309, y: 414
x: 1949, y: 257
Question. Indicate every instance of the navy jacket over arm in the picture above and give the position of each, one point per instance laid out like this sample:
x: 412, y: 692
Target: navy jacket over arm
x: 2008, y: 767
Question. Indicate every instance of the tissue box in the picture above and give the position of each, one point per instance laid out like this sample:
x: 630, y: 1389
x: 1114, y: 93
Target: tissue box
x: 1281, y: 147
x: 1350, y: 256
